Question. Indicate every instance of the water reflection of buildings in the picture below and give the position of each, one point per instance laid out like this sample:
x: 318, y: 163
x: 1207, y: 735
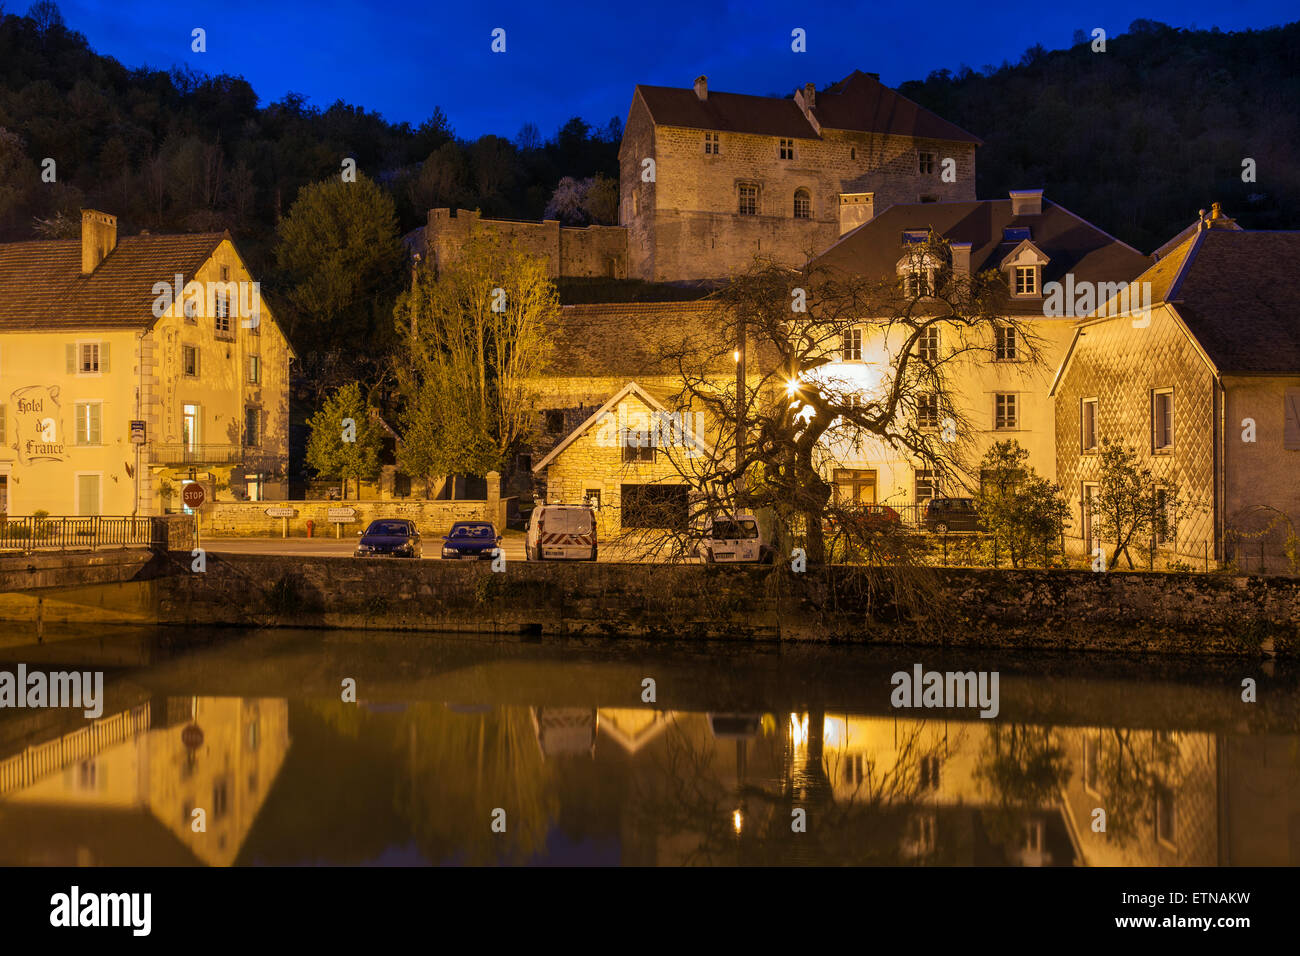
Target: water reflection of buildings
x: 953, y: 792
x: 122, y: 790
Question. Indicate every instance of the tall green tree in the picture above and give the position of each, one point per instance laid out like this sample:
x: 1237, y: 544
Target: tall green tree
x: 341, y: 269
x: 345, y: 438
x: 474, y: 338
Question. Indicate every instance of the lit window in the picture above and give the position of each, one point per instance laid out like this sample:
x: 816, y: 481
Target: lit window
x: 748, y: 199
x: 787, y: 149
x: 1088, y: 425
x: 1162, y: 420
x: 802, y: 204
x: 89, y: 418
x: 852, y: 345
x: 1004, y: 410
x: 1026, y: 280
x: 711, y: 144
x: 925, y: 163
x: 1004, y: 343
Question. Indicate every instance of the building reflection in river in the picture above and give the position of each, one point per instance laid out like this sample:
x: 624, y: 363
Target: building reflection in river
x: 418, y: 782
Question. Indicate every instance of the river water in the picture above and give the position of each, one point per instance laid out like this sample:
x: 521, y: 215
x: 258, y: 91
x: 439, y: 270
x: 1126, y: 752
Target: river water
x: 249, y: 748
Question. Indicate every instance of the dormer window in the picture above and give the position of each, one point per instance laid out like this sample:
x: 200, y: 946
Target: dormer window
x: 1024, y: 270
x: 711, y: 144
x: 786, y: 149
x: 1026, y: 280
x: 915, y: 235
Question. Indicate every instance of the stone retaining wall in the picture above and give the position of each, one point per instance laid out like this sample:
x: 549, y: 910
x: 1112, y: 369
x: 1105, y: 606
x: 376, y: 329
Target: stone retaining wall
x: 249, y: 518
x: 1180, y: 613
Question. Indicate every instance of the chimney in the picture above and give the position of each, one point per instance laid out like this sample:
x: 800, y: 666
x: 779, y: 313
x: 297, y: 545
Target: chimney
x: 960, y: 257
x: 98, y: 238
x: 1026, y: 202
x: 702, y: 88
x: 1218, y: 220
x: 809, y: 95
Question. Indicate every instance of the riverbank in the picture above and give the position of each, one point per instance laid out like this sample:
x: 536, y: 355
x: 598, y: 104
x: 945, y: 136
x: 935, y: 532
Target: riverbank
x: 1176, y: 613
x: 1031, y: 609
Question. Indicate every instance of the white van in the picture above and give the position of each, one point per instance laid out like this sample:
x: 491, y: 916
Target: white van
x: 561, y: 532
x: 734, y: 539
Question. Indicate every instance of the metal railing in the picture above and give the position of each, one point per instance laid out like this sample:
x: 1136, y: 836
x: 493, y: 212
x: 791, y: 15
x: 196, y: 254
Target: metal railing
x: 40, y: 533
x: 42, y: 760
x: 181, y: 453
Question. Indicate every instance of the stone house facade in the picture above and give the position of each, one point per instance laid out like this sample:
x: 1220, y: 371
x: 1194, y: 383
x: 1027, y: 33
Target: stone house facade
x: 708, y: 180
x: 1206, y: 388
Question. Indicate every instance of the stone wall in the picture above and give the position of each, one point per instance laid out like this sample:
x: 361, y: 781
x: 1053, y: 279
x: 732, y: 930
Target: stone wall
x: 568, y: 251
x: 686, y: 223
x: 249, y: 518
x: 1116, y: 611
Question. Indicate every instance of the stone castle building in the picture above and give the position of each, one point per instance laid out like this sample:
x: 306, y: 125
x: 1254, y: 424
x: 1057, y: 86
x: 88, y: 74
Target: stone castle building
x: 709, y: 180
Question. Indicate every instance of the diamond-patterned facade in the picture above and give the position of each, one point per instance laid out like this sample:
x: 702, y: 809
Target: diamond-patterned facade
x: 1121, y: 366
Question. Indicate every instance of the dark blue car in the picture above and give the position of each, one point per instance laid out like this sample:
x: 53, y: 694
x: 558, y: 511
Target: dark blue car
x: 470, y: 539
x: 390, y: 538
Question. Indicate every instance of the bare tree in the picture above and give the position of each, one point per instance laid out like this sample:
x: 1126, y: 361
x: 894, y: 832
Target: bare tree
x: 792, y: 414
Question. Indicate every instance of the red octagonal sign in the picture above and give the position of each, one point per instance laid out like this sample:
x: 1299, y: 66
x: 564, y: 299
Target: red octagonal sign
x: 192, y: 495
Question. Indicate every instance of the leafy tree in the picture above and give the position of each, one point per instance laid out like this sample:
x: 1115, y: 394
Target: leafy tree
x: 330, y: 452
x: 473, y: 337
x: 1024, y: 511
x: 341, y: 267
x: 1130, y: 504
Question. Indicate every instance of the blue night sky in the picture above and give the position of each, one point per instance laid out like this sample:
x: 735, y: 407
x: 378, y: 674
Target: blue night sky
x: 583, y: 58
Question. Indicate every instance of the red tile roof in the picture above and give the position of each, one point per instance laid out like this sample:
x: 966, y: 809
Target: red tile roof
x: 859, y: 102
x: 42, y: 286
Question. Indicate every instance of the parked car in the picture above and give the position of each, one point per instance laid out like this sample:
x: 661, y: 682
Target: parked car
x: 389, y: 538
x: 952, y: 514
x: 734, y: 539
x: 561, y: 532
x: 471, y: 540
x: 871, y: 519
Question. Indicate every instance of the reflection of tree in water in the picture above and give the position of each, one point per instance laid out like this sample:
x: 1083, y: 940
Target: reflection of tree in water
x: 713, y: 814
x: 1025, y: 768
x: 1132, y: 767
x: 462, y: 766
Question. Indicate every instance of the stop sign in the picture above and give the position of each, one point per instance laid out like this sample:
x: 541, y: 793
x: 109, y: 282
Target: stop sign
x: 192, y: 737
x: 192, y: 495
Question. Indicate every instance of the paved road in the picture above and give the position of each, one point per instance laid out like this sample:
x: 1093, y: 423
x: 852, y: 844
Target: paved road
x: 315, y: 547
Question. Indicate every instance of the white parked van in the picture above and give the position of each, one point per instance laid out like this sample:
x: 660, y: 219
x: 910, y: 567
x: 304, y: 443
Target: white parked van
x: 561, y: 532
x: 734, y: 539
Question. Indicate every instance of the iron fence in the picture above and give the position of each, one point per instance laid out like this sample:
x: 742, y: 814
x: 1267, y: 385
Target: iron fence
x: 28, y: 533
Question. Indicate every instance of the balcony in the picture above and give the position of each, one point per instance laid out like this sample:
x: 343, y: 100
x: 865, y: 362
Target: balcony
x: 181, y: 453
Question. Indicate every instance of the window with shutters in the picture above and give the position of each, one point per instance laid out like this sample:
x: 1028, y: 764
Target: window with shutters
x: 87, y: 358
x: 190, y: 360
x: 88, y: 423
x: 1162, y: 420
